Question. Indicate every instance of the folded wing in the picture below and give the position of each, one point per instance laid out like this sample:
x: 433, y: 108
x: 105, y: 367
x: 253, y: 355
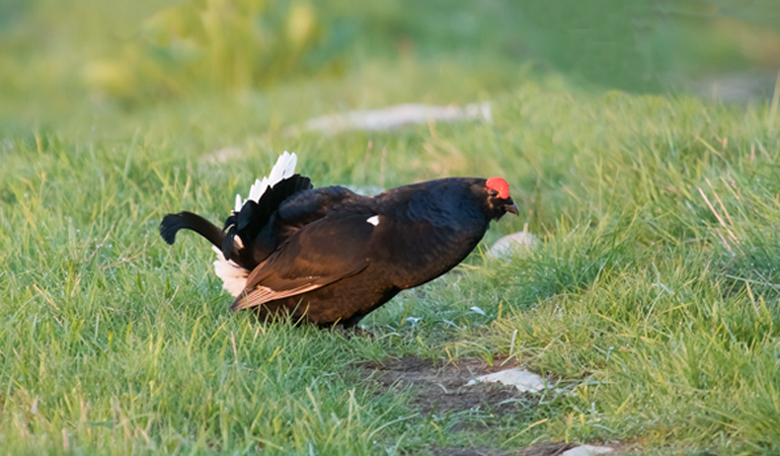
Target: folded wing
x: 318, y: 254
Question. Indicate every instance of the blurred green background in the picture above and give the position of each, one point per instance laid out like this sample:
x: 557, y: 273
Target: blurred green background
x: 57, y: 57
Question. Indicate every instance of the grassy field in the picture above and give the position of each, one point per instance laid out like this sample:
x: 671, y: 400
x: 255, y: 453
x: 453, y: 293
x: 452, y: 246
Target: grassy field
x: 650, y: 302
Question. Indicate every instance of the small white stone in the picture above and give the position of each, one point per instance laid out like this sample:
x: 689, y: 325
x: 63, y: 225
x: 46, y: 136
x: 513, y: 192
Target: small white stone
x: 523, y: 380
x: 587, y: 450
x: 519, y: 242
x: 373, y: 220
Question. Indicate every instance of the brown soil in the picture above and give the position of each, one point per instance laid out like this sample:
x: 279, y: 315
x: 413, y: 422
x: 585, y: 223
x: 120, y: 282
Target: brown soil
x: 467, y: 452
x: 542, y: 449
x: 546, y: 449
x: 440, y: 387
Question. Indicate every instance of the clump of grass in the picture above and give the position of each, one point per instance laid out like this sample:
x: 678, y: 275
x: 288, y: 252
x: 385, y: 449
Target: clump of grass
x: 676, y: 346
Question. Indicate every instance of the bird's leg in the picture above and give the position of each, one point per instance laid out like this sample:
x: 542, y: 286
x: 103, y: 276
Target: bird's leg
x: 351, y: 321
x: 356, y: 331
x: 350, y: 328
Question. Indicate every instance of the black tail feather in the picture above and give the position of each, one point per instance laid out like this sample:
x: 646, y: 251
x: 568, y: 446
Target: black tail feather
x: 172, y: 223
x: 249, y: 223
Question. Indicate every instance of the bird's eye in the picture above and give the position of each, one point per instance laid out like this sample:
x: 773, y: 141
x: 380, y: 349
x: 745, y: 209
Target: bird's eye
x: 492, y: 192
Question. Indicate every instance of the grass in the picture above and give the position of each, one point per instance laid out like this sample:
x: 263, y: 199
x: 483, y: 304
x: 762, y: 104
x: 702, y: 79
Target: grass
x: 654, y: 306
x: 652, y: 298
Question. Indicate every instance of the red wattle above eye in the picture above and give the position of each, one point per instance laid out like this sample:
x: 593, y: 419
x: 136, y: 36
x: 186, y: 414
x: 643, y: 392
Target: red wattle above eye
x: 500, y: 185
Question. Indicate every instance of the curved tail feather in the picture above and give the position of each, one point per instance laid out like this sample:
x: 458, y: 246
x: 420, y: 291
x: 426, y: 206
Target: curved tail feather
x: 172, y: 223
x: 247, y: 237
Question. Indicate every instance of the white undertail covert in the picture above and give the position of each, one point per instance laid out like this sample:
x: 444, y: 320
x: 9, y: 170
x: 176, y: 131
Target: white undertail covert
x: 234, y: 276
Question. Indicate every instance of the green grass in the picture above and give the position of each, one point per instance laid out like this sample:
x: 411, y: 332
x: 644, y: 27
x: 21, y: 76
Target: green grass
x: 652, y: 298
x: 656, y: 314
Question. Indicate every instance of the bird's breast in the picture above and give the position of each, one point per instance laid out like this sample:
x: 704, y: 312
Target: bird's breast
x: 412, y: 254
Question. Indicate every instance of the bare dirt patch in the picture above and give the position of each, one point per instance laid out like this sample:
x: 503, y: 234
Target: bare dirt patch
x: 440, y: 386
x: 546, y: 449
x: 467, y: 452
x: 540, y: 449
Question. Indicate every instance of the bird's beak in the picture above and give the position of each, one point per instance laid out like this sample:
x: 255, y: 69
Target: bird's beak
x: 512, y: 208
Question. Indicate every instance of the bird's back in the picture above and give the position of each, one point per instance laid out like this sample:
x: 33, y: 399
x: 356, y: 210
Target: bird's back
x: 365, y: 248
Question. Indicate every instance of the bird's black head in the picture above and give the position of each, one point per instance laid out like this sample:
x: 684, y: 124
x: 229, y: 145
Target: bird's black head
x: 497, y: 201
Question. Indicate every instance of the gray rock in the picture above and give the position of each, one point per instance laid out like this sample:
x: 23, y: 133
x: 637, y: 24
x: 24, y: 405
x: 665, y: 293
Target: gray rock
x: 515, y: 243
x: 398, y: 116
x: 587, y: 450
x: 523, y: 380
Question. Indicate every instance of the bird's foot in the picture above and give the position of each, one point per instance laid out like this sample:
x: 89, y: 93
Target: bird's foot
x: 351, y: 332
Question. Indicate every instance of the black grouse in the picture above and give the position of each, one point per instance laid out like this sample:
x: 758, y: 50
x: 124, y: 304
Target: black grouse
x: 332, y: 256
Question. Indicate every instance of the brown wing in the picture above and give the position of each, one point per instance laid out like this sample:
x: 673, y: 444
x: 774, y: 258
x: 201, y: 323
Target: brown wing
x: 319, y: 254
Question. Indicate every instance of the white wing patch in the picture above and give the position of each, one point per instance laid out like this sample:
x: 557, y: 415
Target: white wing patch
x: 233, y: 276
x: 283, y: 169
x: 373, y: 220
